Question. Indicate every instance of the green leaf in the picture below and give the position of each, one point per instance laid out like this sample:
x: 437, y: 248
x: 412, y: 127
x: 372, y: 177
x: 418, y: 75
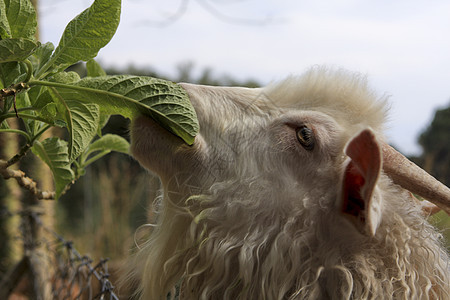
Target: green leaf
x: 12, y: 72
x: 5, y: 31
x: 40, y: 96
x: 16, y: 49
x: 81, y: 119
x: 41, y: 56
x: 86, y: 34
x: 49, y: 112
x: 104, y: 118
x: 164, y: 101
x: 66, y: 77
x: 104, y: 145
x: 22, y: 100
x: 54, y: 152
x: 21, y: 17
x: 85, y: 119
x: 109, y: 142
x: 94, y: 69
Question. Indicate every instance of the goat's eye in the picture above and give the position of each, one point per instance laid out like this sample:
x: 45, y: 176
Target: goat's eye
x: 305, y: 136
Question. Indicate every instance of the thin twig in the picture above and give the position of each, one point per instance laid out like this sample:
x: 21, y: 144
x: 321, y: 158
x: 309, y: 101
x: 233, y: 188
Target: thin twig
x: 13, y: 90
x: 25, y: 182
x: 18, y: 156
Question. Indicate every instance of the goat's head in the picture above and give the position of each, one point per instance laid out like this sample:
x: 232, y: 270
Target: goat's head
x: 278, y: 175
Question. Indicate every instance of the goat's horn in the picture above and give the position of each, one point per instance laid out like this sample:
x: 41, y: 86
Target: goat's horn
x: 411, y: 177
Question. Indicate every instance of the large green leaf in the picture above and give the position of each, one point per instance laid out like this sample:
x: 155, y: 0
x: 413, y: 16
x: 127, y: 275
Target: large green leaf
x: 54, y: 152
x: 82, y: 121
x: 86, y: 34
x: 5, y: 31
x: 21, y: 17
x: 85, y: 119
x: 16, y: 49
x: 164, y: 101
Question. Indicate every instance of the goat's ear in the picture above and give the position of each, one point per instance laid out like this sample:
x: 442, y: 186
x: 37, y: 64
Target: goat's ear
x: 361, y: 202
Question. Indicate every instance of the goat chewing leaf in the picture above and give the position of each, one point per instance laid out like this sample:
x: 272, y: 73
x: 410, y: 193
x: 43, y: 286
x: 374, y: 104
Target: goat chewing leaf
x: 164, y: 101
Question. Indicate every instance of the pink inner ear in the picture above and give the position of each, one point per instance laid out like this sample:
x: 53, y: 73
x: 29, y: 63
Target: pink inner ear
x: 352, y: 201
x: 360, y: 178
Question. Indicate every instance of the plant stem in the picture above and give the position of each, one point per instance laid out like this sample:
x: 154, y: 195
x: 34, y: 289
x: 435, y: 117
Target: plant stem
x: 94, y: 158
x: 19, y: 155
x: 39, y: 133
x: 26, y: 109
x: 86, y: 89
x: 25, y: 134
x: 26, y: 116
x: 13, y: 89
x: 41, y: 71
x: 29, y: 70
x: 27, y: 146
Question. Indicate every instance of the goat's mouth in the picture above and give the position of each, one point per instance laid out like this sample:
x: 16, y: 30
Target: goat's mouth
x: 157, y: 127
x: 148, y: 137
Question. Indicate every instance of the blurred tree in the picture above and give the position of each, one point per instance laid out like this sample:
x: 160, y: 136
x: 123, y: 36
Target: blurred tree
x: 435, y: 141
x: 435, y: 159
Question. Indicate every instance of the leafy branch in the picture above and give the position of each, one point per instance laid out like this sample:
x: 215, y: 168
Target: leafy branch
x: 36, y: 89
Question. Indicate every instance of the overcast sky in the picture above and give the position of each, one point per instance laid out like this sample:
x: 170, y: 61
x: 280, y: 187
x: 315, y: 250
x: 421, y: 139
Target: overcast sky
x: 403, y: 46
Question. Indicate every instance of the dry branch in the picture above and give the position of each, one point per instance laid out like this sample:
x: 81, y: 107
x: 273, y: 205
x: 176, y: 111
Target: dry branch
x: 24, y: 181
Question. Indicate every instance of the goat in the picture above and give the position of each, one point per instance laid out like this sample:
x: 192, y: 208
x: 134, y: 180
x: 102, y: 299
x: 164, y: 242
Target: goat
x: 289, y: 192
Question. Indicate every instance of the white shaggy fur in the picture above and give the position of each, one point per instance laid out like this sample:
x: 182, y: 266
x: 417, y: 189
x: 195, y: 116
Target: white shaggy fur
x: 248, y: 213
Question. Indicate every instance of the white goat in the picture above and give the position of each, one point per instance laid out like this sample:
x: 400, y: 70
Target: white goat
x: 287, y: 193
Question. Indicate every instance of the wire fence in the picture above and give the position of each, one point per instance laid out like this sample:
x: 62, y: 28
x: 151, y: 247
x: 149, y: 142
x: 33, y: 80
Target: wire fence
x: 72, y: 275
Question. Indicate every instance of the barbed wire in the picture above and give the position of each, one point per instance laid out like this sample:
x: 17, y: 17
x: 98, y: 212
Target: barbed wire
x: 75, y: 276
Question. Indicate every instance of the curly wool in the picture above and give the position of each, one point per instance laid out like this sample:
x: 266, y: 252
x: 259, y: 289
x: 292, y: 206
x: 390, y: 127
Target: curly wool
x: 265, y: 223
x: 289, y: 252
